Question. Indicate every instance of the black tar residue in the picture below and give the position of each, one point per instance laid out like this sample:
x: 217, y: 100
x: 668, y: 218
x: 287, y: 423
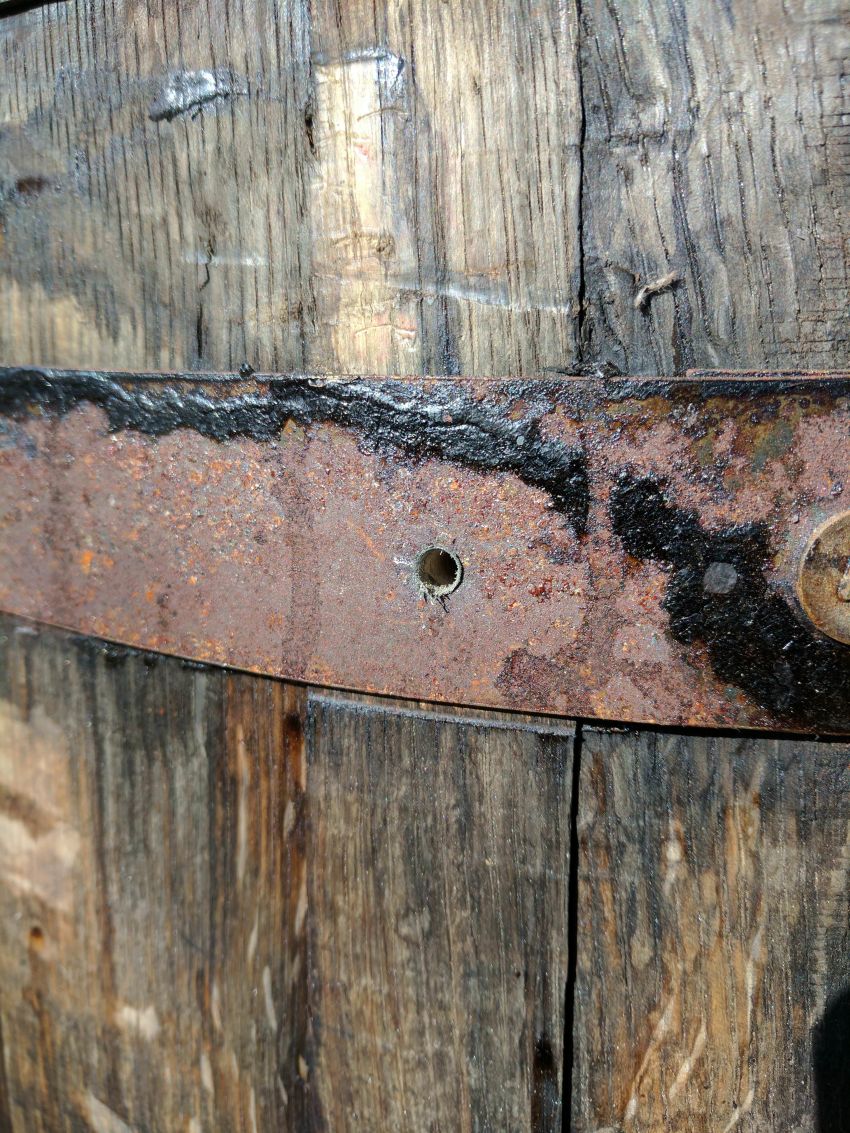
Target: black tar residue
x: 753, y: 637
x: 443, y: 421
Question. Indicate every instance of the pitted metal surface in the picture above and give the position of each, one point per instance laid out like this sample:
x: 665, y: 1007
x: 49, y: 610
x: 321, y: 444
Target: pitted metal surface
x: 630, y: 547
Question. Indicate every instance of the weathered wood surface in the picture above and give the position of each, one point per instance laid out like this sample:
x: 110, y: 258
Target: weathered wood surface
x: 153, y: 943
x: 717, y: 146
x: 713, y: 889
x: 227, y: 906
x: 438, y: 853
x: 713, y: 985
x: 352, y: 187
x: 405, y: 189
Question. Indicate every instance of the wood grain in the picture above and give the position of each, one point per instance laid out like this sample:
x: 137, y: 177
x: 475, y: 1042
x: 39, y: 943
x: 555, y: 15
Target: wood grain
x: 379, y: 188
x: 713, y: 986
x: 152, y: 859
x: 177, y: 240
x: 426, y: 188
x: 439, y: 943
x: 226, y: 905
x: 716, y: 146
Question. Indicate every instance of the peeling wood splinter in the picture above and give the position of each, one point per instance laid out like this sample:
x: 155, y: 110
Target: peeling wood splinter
x: 656, y: 287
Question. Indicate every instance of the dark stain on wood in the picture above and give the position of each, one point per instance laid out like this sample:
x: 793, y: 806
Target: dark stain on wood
x: 17, y: 7
x: 312, y: 906
x: 831, y: 1065
x: 546, y: 1089
x: 21, y: 808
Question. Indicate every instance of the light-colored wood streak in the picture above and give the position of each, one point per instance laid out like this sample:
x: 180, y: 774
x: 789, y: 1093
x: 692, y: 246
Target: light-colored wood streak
x: 350, y: 188
x: 223, y: 908
x: 347, y: 188
x: 713, y: 987
x: 229, y: 904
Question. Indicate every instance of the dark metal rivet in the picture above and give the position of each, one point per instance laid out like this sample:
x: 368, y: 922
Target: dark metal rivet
x: 720, y: 578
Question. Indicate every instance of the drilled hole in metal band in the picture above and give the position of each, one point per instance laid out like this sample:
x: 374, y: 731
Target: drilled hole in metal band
x: 439, y: 571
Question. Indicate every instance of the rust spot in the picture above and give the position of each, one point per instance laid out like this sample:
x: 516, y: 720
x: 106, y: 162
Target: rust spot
x: 718, y: 594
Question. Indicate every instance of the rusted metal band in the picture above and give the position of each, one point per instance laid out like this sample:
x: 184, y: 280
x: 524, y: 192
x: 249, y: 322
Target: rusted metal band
x: 627, y: 548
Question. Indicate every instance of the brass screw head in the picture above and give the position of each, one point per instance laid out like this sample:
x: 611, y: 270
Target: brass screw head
x: 823, y: 583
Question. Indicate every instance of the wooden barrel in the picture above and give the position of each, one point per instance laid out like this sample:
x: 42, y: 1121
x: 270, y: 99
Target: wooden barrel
x: 230, y: 901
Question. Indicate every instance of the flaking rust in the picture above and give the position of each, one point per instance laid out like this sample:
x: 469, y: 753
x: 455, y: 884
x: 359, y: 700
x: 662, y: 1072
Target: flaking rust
x: 629, y: 546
